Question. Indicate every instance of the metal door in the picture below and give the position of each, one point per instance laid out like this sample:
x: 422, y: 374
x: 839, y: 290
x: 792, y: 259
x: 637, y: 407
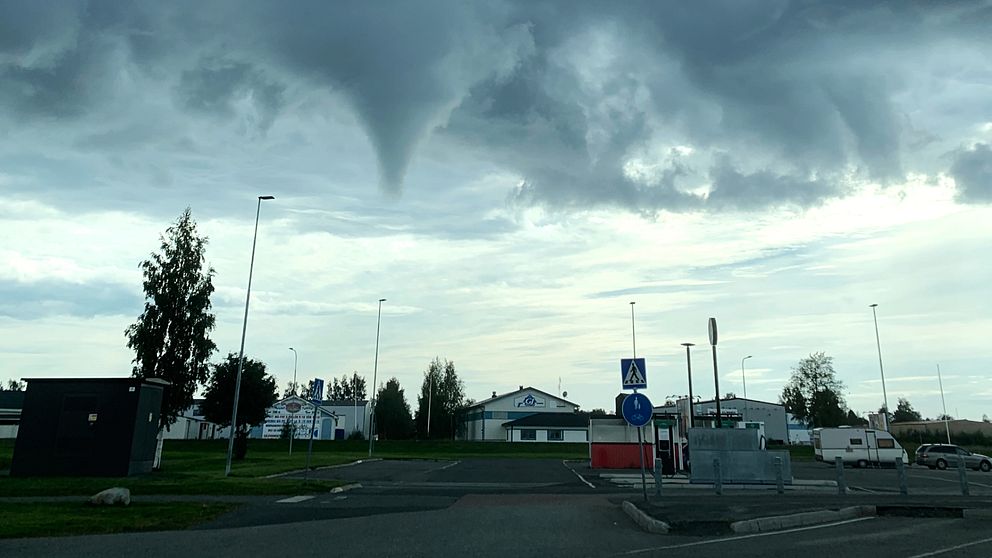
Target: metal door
x: 871, y: 439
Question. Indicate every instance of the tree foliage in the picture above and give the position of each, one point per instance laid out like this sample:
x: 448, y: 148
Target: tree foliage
x: 347, y: 388
x: 813, y: 394
x: 171, y: 338
x: 905, y: 412
x: 445, y: 393
x: 392, y: 413
x: 258, y: 393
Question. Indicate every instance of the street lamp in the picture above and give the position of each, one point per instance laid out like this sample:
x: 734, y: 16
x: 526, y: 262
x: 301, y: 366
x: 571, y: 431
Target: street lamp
x: 744, y: 383
x: 244, y: 330
x: 878, y: 344
x: 688, y: 364
x: 633, y: 336
x: 375, y: 370
x: 292, y: 430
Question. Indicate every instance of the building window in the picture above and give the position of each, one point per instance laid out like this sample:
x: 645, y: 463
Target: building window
x: 555, y: 436
x: 856, y: 442
x: 528, y: 434
x: 886, y: 443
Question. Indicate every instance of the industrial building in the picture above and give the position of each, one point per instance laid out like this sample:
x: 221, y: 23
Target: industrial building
x: 494, y: 419
x: 11, y: 403
x: 908, y: 429
x: 192, y: 425
x: 336, y: 420
x: 737, y: 409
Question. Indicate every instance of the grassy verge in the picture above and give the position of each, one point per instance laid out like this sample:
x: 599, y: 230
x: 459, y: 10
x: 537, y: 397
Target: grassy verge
x: 58, y: 519
x: 191, y: 467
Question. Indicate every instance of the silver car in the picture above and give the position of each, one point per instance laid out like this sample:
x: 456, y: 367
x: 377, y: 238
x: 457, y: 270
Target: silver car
x: 942, y: 456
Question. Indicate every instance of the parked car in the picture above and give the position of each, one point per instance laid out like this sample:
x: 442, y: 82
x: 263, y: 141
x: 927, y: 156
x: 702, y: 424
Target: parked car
x: 918, y: 457
x: 940, y: 456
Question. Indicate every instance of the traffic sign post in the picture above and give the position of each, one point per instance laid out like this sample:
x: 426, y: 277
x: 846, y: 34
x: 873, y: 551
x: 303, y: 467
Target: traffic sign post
x: 637, y: 411
x: 716, y: 375
x: 633, y: 373
x: 315, y: 397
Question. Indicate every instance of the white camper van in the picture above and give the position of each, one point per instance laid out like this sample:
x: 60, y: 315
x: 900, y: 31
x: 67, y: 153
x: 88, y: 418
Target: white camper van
x: 857, y: 446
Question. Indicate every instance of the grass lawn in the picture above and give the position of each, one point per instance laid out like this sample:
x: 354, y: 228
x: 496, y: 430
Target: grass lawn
x: 192, y: 467
x: 58, y: 519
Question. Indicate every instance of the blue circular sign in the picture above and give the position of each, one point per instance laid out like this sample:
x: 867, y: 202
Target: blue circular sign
x: 637, y: 409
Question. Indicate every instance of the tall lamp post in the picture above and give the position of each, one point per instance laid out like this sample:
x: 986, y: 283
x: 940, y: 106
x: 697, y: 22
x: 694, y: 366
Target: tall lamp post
x: 943, y: 404
x: 375, y: 370
x: 744, y: 383
x: 688, y: 364
x: 292, y: 430
x: 244, y: 330
x: 878, y: 344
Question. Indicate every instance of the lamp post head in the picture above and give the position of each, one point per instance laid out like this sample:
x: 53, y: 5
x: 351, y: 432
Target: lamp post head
x: 382, y: 300
x: 266, y: 197
x: 687, y: 345
x: 632, y: 303
x: 872, y: 305
x: 747, y: 357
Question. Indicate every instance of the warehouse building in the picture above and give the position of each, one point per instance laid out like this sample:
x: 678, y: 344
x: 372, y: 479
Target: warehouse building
x: 336, y: 420
x: 11, y: 403
x: 738, y: 409
x: 494, y: 419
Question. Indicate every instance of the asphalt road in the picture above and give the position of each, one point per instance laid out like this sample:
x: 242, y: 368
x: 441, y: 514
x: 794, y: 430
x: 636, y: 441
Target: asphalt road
x: 522, y: 507
x: 920, y: 480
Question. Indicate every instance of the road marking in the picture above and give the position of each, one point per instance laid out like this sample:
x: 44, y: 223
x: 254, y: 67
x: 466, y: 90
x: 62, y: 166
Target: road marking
x: 581, y: 478
x: 952, y: 548
x: 955, y: 481
x: 294, y: 500
x: 755, y: 535
x: 340, y: 497
x: 449, y: 465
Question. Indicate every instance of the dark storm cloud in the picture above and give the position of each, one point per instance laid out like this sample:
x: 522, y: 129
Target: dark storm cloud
x: 781, y: 102
x: 972, y: 172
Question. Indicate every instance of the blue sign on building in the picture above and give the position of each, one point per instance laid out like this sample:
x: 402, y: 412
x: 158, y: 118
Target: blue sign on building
x: 637, y: 409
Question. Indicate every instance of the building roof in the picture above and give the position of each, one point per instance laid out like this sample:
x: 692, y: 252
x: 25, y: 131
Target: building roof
x: 713, y: 401
x: 11, y: 399
x: 521, y: 390
x: 553, y: 420
x: 938, y: 422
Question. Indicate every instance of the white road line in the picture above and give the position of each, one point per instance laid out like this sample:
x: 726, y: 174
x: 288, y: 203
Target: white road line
x: 755, y: 535
x: 294, y: 500
x: 581, y: 478
x: 449, y: 465
x: 952, y: 548
x: 955, y: 481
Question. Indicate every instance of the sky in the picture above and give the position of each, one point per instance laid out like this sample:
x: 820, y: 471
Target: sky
x: 510, y: 175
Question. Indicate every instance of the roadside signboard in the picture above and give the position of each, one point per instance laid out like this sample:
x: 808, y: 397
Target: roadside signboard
x: 637, y: 409
x: 318, y: 390
x: 293, y: 407
x: 633, y: 373
x: 712, y: 329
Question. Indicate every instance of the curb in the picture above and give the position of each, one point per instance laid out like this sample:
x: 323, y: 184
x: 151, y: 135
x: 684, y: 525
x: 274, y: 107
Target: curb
x: 763, y: 524
x: 345, y: 488
x: 298, y: 471
x: 643, y: 520
x: 977, y: 513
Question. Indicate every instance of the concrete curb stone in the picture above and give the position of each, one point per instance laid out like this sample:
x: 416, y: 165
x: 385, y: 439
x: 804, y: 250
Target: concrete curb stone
x: 763, y: 524
x: 977, y: 513
x: 643, y: 520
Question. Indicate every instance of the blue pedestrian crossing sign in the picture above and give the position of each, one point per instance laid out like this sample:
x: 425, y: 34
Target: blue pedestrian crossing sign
x: 318, y: 390
x: 633, y: 373
x: 637, y: 410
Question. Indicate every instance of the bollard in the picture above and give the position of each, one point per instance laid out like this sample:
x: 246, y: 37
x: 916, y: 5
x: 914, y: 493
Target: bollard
x: 901, y: 469
x: 841, y: 486
x: 779, y: 482
x: 718, y: 476
x: 657, y: 478
x: 962, y: 476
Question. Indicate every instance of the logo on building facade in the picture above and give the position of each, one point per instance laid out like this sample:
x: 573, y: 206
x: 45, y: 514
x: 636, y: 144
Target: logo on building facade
x: 529, y: 401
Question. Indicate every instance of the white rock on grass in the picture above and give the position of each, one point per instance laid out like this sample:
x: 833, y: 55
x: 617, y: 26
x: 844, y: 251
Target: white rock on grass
x: 112, y: 497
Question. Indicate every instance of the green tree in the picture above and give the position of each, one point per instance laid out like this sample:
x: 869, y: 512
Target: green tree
x: 171, y: 338
x: 905, y: 412
x: 347, y: 388
x: 258, y: 393
x: 813, y: 394
x: 292, y: 388
x: 598, y: 413
x: 392, y: 413
x: 445, y: 393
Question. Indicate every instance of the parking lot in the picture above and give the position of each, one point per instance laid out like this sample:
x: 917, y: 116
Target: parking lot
x: 884, y: 480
